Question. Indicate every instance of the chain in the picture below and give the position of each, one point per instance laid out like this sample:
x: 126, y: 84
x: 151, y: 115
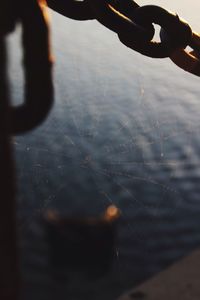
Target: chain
x: 36, y: 59
x: 135, y: 29
x: 132, y: 23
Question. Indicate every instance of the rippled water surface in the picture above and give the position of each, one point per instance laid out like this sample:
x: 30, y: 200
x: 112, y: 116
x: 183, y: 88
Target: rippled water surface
x: 125, y: 130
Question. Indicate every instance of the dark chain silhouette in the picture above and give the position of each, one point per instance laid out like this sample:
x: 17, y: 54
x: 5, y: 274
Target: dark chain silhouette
x: 134, y: 26
x: 38, y: 89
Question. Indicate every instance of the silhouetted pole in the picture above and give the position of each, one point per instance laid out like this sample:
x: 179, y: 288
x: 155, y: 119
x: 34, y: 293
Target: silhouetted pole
x: 8, y: 249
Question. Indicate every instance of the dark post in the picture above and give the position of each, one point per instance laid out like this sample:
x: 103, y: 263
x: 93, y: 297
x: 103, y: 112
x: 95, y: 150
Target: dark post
x: 8, y: 249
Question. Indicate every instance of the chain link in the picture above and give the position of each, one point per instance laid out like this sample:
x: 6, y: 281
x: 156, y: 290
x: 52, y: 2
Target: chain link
x: 112, y: 18
x: 178, y: 30
x: 37, y: 65
x: 134, y: 26
x: 187, y: 60
x: 77, y: 10
x: 132, y: 23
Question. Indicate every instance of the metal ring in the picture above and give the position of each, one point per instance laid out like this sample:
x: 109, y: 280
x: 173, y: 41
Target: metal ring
x: 179, y: 31
x: 37, y: 65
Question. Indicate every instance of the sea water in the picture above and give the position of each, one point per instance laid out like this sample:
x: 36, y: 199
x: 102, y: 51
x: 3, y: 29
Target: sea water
x: 124, y: 130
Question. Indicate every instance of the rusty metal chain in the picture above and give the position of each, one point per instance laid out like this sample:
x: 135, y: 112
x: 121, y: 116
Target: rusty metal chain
x: 132, y: 23
x: 37, y: 62
x: 135, y: 29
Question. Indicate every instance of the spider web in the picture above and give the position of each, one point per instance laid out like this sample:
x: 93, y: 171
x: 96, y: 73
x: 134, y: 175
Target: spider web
x: 124, y: 131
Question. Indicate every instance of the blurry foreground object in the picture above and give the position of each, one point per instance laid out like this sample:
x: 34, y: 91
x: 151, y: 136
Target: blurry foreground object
x: 82, y: 244
x: 9, y: 288
x: 17, y: 120
x: 37, y: 65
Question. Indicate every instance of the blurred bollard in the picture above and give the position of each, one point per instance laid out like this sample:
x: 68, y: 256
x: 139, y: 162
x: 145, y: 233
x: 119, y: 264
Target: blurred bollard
x: 85, y: 245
